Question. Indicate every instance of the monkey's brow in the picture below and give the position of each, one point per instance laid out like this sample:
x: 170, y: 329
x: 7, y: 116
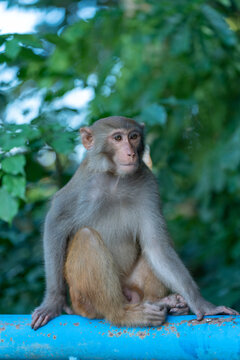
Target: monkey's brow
x: 118, y: 131
x: 123, y: 131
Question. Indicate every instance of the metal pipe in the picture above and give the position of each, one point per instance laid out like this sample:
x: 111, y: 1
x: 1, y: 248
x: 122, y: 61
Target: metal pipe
x: 73, y: 337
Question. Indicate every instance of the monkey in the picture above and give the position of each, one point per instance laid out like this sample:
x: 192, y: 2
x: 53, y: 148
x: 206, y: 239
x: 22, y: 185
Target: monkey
x: 105, y: 236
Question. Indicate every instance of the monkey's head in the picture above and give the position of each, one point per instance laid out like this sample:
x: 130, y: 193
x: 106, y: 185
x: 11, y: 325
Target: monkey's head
x: 115, y: 145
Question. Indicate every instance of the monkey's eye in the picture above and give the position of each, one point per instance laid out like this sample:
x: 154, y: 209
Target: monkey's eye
x: 134, y: 136
x: 118, y: 137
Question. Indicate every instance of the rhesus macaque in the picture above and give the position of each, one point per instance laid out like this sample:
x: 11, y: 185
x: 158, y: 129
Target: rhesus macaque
x: 106, y: 235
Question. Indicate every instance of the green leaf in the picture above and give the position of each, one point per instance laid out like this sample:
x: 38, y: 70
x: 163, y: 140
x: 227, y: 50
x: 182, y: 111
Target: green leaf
x: 15, y: 185
x: 3, y: 38
x: 12, y: 48
x: 14, y: 164
x: 9, y: 140
x: 63, y: 143
x: 154, y: 115
x: 73, y: 32
x: 56, y: 39
x: 8, y: 206
x: 29, y: 132
x: 17, y: 136
x: 29, y: 40
x: 181, y: 42
x: 59, y: 61
x: 219, y: 25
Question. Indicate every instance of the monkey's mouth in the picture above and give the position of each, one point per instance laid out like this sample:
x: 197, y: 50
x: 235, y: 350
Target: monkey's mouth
x: 133, y: 164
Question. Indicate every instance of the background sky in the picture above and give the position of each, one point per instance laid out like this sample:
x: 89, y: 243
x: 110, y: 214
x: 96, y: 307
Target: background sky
x: 17, y: 20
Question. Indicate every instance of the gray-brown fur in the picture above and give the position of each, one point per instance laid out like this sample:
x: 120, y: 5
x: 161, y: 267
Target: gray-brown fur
x: 124, y: 211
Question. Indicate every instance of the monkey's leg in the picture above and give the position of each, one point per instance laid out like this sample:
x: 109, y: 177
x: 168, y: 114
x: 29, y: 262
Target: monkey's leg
x: 152, y: 289
x: 95, y: 288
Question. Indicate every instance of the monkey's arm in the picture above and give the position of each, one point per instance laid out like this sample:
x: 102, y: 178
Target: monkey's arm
x: 168, y: 267
x: 54, y: 241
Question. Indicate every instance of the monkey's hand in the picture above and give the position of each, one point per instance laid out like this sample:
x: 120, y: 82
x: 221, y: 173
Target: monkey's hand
x: 203, y: 307
x: 176, y: 305
x: 48, y: 310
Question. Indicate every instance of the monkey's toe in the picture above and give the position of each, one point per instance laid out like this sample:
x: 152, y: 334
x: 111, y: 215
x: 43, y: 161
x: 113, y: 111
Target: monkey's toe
x: 223, y: 310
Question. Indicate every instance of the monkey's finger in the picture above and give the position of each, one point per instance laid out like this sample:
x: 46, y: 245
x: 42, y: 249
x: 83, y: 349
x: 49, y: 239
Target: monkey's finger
x: 169, y: 301
x: 179, y: 311
x: 182, y: 311
x: 35, y: 316
x: 181, y: 300
x: 171, y: 306
x: 35, y: 322
x: 181, y: 305
x: 163, y: 308
x: 199, y: 315
x: 45, y: 320
x: 39, y: 322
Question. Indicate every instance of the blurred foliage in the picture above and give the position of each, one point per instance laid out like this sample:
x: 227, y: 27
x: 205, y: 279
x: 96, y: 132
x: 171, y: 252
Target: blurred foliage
x: 172, y: 64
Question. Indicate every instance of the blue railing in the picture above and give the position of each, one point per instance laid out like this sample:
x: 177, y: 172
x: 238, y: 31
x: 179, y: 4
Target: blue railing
x: 76, y: 338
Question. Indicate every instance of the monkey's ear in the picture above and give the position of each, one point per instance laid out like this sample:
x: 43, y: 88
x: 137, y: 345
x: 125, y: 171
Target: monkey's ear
x: 87, y: 137
x: 142, y: 125
x: 147, y: 157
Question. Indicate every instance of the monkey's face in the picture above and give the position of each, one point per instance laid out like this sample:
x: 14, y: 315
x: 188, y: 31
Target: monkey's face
x: 124, y: 148
x: 116, y: 145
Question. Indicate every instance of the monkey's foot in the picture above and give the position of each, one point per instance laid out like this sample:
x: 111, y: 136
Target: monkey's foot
x: 176, y: 305
x: 154, y: 315
x: 216, y: 310
x: 44, y: 313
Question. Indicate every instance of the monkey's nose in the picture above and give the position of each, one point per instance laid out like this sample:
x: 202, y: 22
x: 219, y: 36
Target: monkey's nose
x: 132, y: 155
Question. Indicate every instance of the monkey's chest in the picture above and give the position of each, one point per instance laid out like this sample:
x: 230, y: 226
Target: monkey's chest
x: 117, y: 226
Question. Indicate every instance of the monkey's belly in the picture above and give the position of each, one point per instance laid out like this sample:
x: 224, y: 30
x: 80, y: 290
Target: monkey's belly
x: 123, y: 249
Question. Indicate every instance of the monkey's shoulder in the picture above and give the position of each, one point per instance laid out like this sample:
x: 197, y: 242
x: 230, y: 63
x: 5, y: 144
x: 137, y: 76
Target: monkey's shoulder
x: 72, y: 187
x: 65, y: 200
x: 104, y: 190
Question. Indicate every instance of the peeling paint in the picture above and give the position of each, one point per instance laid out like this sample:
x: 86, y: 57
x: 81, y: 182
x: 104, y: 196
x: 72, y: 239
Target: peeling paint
x: 74, y: 337
x: 220, y: 321
x: 141, y: 334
